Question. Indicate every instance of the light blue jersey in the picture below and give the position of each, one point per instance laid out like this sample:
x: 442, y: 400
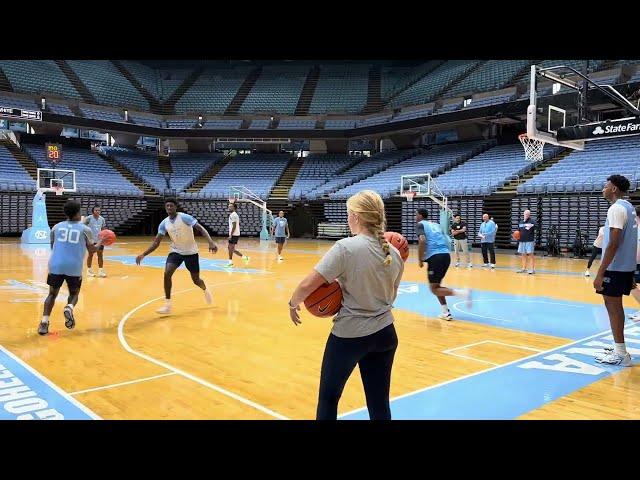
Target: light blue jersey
x: 280, y: 224
x: 95, y: 224
x: 488, y: 229
x: 437, y: 241
x: 69, y: 247
x: 625, y: 259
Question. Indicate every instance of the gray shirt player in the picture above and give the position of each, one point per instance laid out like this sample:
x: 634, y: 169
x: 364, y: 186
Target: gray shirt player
x: 368, y: 286
x: 95, y: 224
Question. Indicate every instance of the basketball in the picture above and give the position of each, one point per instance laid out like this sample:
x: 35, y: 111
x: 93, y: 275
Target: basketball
x: 516, y: 235
x: 107, y: 237
x: 399, y: 242
x: 325, y: 301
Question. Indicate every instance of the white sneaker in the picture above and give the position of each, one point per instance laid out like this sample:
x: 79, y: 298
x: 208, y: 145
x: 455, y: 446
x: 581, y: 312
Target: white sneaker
x: 164, y: 310
x: 280, y: 258
x: 470, y: 265
x: 102, y: 273
x: 587, y: 274
x: 522, y: 270
x: 612, y: 358
x: 245, y: 259
x: 91, y: 273
x: 457, y: 264
x: 635, y: 316
x: 208, y: 297
x: 446, y: 316
x: 492, y: 266
x: 484, y: 265
x: 531, y: 272
x: 229, y: 265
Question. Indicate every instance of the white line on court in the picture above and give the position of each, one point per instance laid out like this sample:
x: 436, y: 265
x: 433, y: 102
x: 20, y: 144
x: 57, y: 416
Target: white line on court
x: 130, y: 382
x: 533, y: 355
x: 471, y: 358
x: 202, y: 382
x: 51, y: 384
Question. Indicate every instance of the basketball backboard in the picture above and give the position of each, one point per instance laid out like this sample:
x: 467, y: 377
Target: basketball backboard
x: 568, y: 108
x: 51, y: 179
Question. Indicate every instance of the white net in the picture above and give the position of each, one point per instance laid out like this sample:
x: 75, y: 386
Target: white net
x: 533, y: 149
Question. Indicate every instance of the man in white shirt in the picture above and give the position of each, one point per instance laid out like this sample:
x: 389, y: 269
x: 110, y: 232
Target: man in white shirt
x: 615, y: 276
x: 179, y: 227
x: 234, y: 234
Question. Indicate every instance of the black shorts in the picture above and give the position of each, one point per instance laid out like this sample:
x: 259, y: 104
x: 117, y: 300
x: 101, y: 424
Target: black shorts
x: 56, y: 280
x: 637, y: 274
x: 616, y: 284
x: 281, y: 239
x: 234, y: 240
x: 190, y: 261
x: 437, y: 266
x: 100, y: 248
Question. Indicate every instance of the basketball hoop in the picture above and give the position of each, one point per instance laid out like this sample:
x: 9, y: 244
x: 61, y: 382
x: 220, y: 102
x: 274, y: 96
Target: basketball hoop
x: 533, y: 149
x: 409, y: 195
x: 58, y: 189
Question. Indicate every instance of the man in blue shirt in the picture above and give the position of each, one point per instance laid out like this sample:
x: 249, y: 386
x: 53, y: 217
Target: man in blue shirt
x: 487, y: 235
x: 615, y: 276
x: 69, y: 242
x: 281, y: 231
x: 433, y: 248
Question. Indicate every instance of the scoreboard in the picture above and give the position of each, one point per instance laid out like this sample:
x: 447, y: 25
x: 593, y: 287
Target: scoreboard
x: 54, y: 152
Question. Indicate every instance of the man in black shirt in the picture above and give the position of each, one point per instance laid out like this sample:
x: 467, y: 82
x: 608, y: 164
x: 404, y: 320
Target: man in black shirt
x: 459, y: 233
x: 527, y: 228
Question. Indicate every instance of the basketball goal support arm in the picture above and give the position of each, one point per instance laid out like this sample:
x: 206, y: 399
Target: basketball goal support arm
x: 607, y: 90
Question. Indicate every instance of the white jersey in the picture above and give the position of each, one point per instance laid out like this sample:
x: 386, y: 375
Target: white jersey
x: 234, y: 218
x: 180, y: 230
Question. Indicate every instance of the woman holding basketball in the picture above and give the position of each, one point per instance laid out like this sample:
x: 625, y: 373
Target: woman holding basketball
x: 369, y: 270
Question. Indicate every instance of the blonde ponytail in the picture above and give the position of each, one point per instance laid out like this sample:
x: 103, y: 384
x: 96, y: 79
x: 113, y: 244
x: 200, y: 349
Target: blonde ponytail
x: 370, y: 209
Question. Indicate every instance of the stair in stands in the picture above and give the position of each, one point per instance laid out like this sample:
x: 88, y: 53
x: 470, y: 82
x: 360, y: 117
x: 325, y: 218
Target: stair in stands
x: 153, y: 102
x: 209, y: 174
x: 308, y: 90
x: 374, y: 91
x: 135, y: 221
x: 499, y: 207
x: 23, y: 159
x: 164, y: 164
x: 73, y: 78
x: 541, y: 167
x: 443, y: 91
x: 129, y: 175
x: 169, y: 106
x: 414, y: 81
x: 279, y: 196
x: 243, y: 91
x: 5, y: 85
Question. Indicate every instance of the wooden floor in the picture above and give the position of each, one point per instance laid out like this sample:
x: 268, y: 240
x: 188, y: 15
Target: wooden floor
x: 242, y: 358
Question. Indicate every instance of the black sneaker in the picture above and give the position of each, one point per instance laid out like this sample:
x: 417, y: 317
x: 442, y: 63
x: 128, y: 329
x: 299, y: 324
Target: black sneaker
x: 69, y: 322
x: 43, y: 328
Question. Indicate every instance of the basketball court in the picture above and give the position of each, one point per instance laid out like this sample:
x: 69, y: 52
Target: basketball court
x: 525, y: 349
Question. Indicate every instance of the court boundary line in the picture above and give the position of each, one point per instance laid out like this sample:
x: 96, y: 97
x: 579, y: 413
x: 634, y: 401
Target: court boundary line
x: 129, y: 382
x: 450, y: 351
x: 533, y: 355
x: 182, y: 373
x: 55, y: 387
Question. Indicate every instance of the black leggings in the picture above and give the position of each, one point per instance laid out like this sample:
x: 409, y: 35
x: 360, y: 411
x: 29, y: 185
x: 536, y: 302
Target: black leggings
x: 488, y: 247
x: 374, y: 355
x: 595, y: 251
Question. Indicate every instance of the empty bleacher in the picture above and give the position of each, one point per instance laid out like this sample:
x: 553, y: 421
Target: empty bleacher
x: 258, y: 172
x: 485, y: 173
x: 316, y: 170
x: 276, y: 90
x: 587, y: 170
x: 434, y: 161
x: 12, y: 176
x: 142, y: 164
x: 38, y: 76
x: 341, y: 88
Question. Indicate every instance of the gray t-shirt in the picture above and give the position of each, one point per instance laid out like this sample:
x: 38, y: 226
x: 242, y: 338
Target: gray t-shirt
x: 368, y: 286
